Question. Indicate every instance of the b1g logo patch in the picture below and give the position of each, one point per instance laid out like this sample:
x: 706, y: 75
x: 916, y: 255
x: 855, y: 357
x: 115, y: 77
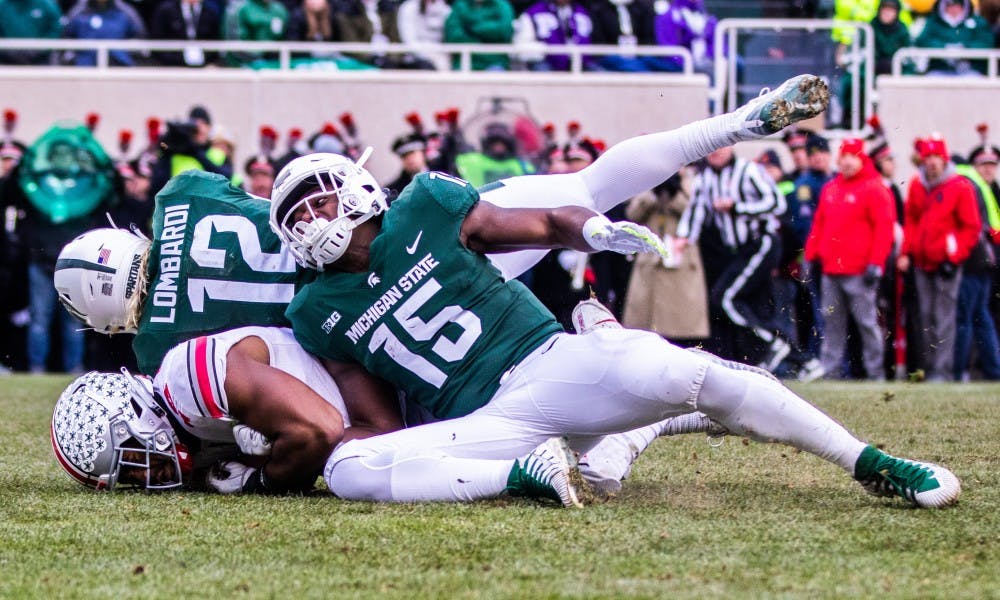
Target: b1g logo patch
x: 107, y: 288
x: 330, y: 322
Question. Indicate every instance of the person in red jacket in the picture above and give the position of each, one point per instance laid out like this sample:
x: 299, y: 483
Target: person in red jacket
x: 940, y: 229
x: 851, y: 237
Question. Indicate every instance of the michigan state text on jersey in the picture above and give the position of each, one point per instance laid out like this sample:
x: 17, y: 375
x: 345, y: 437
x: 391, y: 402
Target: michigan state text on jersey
x: 214, y: 265
x: 431, y: 316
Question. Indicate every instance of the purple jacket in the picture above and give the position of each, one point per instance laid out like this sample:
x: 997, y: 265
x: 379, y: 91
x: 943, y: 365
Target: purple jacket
x: 687, y: 24
x: 575, y: 30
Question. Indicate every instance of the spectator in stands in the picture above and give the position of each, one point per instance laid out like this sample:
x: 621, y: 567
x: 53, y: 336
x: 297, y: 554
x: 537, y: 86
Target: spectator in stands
x: 626, y: 24
x: 64, y: 185
x: 186, y: 145
x: 556, y: 22
x: 860, y: 11
x: 260, y: 176
x: 686, y: 23
x: 370, y: 22
x: 795, y: 140
x: 222, y: 151
x: 103, y: 20
x: 771, y: 163
x: 312, y: 21
x: 185, y: 20
x: 13, y: 262
x: 954, y: 24
x: 891, y: 34
x: 29, y: 19
x: 421, y: 22
x: 683, y: 320
x: 499, y: 157
x: 412, y: 152
x: 255, y: 21
x: 989, y: 10
x: 802, y: 204
x: 10, y: 154
x: 974, y: 320
x: 850, y: 240
x: 939, y: 231
x: 984, y: 159
x: 481, y: 22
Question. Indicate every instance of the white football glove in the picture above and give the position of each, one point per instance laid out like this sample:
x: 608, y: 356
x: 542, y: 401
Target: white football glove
x: 251, y: 441
x: 229, y: 476
x: 622, y: 237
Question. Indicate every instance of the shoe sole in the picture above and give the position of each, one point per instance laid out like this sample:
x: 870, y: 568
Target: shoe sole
x: 559, y: 447
x: 811, y: 97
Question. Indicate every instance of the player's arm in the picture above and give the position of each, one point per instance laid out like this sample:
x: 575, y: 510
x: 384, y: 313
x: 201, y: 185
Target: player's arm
x: 490, y: 229
x: 303, y: 427
x: 372, y: 403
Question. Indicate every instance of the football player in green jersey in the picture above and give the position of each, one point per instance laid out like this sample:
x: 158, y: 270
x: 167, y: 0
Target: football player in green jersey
x: 407, y: 295
x: 214, y: 266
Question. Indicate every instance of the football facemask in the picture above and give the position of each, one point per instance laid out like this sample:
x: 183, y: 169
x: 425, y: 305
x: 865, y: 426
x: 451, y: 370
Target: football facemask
x: 107, y: 432
x: 307, y: 183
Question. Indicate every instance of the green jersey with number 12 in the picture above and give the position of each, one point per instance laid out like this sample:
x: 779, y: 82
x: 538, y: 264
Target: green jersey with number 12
x: 214, y: 265
x: 430, y: 316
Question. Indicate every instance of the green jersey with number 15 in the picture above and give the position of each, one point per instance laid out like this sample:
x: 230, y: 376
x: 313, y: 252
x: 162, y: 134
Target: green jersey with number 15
x: 430, y: 316
x: 214, y: 265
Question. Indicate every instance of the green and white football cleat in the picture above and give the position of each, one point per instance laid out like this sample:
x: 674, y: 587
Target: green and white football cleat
x: 546, y: 473
x: 799, y: 98
x: 925, y: 485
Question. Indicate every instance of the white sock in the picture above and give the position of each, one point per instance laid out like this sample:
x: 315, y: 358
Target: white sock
x: 764, y: 410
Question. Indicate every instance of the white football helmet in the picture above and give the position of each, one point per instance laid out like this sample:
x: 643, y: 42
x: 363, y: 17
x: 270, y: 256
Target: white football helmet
x: 99, y: 278
x: 319, y: 241
x: 105, y: 421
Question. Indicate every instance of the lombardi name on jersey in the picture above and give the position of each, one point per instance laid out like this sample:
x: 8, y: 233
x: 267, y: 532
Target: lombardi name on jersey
x: 390, y: 298
x: 164, y: 291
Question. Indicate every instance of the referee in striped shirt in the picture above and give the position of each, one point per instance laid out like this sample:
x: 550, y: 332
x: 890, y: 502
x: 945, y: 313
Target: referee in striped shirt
x: 740, y: 205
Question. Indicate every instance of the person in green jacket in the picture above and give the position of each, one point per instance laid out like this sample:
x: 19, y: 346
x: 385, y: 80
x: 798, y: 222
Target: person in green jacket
x: 954, y: 24
x: 891, y: 34
x: 481, y: 22
x: 29, y: 19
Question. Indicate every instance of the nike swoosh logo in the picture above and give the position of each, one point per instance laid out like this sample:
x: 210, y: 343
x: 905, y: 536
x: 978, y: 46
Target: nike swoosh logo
x: 413, y: 248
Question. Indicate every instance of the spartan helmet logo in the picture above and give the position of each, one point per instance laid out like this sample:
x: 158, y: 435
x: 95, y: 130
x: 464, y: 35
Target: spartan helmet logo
x: 373, y: 280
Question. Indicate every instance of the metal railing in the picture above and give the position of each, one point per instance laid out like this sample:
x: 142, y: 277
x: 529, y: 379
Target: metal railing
x: 921, y: 56
x: 861, y: 70
x: 285, y: 50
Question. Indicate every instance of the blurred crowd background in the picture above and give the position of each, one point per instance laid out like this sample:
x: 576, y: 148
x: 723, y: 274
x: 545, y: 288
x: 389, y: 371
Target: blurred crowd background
x: 829, y: 268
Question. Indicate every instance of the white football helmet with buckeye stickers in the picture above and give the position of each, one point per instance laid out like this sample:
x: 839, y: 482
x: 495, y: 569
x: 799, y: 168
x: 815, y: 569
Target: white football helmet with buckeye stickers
x: 108, y: 431
x: 311, y: 180
x: 100, y: 277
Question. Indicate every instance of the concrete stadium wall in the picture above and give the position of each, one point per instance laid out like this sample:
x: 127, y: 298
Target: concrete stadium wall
x: 610, y: 107
x: 911, y: 107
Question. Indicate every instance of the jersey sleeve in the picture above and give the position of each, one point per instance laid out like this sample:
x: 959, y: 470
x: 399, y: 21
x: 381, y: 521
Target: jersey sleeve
x: 452, y: 194
x: 312, y: 320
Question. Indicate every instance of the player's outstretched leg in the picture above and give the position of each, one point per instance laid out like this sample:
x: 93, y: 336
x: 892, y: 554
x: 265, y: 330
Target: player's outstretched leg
x: 762, y: 409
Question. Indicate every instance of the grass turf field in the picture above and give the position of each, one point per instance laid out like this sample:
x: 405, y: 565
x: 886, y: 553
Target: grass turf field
x: 742, y: 520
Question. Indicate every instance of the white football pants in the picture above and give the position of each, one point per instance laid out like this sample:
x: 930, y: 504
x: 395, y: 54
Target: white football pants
x: 581, y: 386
